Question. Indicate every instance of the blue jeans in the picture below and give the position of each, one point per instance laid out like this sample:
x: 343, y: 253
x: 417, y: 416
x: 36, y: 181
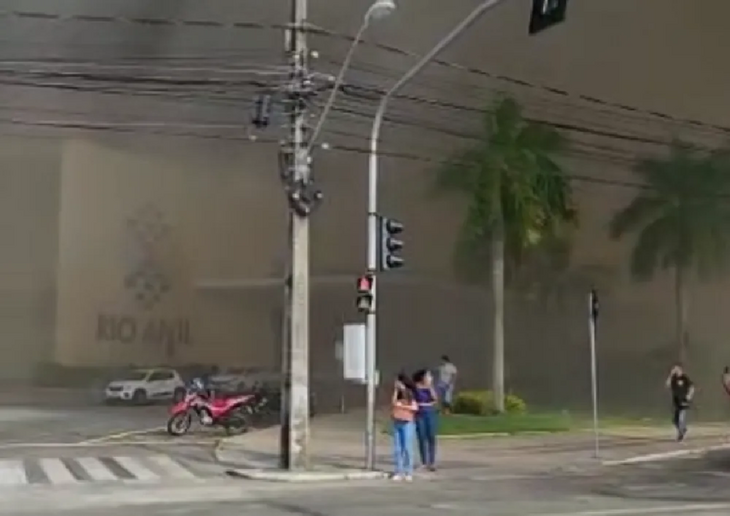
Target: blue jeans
x: 680, y: 419
x: 403, y: 433
x: 426, y: 429
x: 446, y: 393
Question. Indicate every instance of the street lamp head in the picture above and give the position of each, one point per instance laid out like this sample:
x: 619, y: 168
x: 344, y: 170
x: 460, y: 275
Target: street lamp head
x: 381, y: 8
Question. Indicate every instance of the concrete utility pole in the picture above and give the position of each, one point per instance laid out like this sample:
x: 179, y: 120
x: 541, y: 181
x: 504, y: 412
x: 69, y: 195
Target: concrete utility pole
x: 295, y: 406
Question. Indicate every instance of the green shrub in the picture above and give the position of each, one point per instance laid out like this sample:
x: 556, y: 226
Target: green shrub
x: 481, y: 403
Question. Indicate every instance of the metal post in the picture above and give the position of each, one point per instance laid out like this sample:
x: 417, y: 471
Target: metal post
x: 370, y: 320
x: 285, y: 361
x: 298, y: 341
x: 372, y: 247
x: 594, y: 371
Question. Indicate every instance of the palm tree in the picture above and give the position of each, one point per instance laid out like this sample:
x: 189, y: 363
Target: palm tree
x: 681, y: 221
x: 517, y: 194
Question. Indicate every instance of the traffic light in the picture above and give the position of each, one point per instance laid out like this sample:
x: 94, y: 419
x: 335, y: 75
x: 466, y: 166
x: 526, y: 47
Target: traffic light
x: 546, y: 13
x: 261, y: 112
x: 390, y: 245
x: 365, y: 293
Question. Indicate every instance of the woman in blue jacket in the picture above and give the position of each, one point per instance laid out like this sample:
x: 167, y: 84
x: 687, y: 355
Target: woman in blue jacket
x: 426, y: 417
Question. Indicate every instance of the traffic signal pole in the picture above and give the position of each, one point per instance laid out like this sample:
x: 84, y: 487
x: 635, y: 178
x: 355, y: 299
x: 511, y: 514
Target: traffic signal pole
x: 372, y: 247
x: 370, y: 318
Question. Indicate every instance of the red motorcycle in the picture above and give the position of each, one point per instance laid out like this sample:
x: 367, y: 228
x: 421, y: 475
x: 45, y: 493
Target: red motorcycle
x: 232, y: 413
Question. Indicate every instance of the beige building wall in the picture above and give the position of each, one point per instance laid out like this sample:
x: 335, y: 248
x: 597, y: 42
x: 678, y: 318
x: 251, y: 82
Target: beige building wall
x: 28, y: 242
x: 138, y: 227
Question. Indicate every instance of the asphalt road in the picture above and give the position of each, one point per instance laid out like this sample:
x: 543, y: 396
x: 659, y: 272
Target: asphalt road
x: 77, y: 444
x: 59, y: 424
x: 83, y: 458
x: 526, y: 496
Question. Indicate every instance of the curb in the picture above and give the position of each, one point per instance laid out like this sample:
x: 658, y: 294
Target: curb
x: 305, y: 476
x: 487, y: 435
x: 655, y: 457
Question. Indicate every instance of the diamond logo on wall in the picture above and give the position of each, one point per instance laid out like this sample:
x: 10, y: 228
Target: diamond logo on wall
x: 147, y: 232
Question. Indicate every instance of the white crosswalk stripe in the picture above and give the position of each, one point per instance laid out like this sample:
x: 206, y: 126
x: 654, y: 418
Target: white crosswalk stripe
x: 171, y: 468
x: 78, y: 470
x: 12, y: 473
x: 57, y: 472
x: 136, y: 468
x: 96, y: 469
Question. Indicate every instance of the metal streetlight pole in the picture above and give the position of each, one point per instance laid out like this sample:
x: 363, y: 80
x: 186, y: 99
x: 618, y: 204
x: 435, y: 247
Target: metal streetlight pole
x: 372, y: 245
x: 379, y: 9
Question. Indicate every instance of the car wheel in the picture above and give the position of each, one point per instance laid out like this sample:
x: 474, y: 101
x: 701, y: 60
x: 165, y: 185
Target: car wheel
x: 139, y: 397
x: 178, y: 395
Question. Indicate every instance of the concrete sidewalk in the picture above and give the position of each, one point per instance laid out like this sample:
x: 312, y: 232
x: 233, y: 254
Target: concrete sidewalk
x: 337, y: 444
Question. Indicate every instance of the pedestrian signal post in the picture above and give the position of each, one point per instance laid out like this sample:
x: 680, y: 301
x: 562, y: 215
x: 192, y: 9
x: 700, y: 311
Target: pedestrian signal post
x: 592, y: 325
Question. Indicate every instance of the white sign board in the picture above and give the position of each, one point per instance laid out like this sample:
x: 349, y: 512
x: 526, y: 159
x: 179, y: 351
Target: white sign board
x: 353, y: 352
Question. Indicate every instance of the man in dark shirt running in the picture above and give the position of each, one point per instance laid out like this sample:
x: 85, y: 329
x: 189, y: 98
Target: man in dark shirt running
x: 682, y: 391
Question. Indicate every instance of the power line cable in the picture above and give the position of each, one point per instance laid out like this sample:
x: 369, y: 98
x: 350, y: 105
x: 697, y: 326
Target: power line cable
x: 122, y: 128
x: 321, y: 31
x: 570, y: 109
x: 149, y: 22
x: 527, y: 84
x: 593, y: 151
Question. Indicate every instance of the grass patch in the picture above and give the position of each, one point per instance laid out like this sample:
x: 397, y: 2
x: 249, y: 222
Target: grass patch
x: 545, y: 422
x: 512, y: 424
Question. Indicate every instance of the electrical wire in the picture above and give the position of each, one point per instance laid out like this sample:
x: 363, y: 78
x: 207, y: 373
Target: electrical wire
x: 321, y: 31
x: 172, y: 130
x: 525, y: 83
x: 564, y: 109
x: 167, y: 81
x: 149, y: 22
x: 176, y: 82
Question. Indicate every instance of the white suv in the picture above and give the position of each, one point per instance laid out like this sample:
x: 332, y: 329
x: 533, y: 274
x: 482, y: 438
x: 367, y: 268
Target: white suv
x: 143, y: 385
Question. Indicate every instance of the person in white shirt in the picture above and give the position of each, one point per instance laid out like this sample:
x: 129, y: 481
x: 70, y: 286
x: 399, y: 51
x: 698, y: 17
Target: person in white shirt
x: 446, y: 381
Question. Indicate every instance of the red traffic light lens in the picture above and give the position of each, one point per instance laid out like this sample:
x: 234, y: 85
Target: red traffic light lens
x: 364, y: 283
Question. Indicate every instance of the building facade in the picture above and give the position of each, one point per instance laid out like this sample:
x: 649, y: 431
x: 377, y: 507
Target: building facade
x: 146, y: 249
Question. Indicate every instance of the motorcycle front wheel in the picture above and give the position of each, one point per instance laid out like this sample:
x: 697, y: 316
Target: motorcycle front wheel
x: 179, y: 424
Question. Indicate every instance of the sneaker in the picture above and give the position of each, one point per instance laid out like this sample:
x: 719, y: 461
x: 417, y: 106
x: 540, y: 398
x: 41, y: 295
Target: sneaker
x: 396, y: 477
x: 408, y: 478
x: 432, y: 468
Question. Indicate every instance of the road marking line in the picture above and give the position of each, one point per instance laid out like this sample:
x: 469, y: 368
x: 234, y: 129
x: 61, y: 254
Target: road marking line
x: 57, y: 472
x: 172, y: 468
x: 96, y: 469
x: 644, y: 510
x: 666, y: 455
x: 122, y: 435
x: 102, y: 444
x: 136, y: 468
x: 12, y: 473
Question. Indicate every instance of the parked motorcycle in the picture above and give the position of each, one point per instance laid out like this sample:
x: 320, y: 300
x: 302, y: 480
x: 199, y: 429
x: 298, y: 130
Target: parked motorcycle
x: 232, y: 414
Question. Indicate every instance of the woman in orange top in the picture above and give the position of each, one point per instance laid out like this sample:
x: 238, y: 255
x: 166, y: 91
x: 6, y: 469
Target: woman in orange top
x: 404, y: 408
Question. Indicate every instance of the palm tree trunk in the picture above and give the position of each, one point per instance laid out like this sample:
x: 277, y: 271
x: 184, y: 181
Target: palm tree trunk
x: 682, y: 306
x: 498, y: 299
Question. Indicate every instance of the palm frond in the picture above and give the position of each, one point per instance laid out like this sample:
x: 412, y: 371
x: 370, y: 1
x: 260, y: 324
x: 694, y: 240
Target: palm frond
x: 642, y: 210
x: 655, y: 248
x: 511, y: 176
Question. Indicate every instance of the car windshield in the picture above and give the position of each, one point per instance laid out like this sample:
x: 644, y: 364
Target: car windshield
x: 134, y: 376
